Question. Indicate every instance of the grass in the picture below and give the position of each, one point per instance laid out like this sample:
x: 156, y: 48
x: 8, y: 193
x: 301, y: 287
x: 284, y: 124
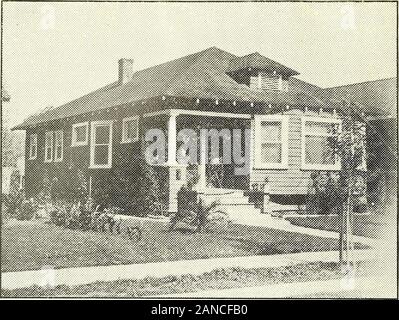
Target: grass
x: 364, y: 225
x: 31, y: 245
x: 216, y: 279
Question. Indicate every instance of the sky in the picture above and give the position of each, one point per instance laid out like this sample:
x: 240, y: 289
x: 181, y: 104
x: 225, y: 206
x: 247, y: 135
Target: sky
x: 56, y: 52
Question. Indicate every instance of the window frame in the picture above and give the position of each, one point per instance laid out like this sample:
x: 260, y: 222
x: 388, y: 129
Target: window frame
x: 46, y: 136
x: 95, y: 124
x: 124, y: 121
x: 74, y: 136
x: 284, y: 120
x: 318, y: 166
x: 61, y: 135
x: 33, y: 135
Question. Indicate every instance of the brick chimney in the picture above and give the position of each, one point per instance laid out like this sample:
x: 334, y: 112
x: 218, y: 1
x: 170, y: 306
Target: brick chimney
x: 125, y: 70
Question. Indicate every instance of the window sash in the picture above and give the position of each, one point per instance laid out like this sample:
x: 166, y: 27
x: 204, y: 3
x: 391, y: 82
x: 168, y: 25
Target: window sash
x: 94, y: 147
x: 32, y: 146
x: 48, y: 146
x: 75, y: 127
x: 125, y: 129
x: 308, y: 133
x: 59, y: 145
x: 261, y: 141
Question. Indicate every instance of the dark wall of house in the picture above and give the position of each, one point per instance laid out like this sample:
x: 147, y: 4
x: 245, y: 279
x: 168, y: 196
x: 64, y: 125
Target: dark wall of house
x: 382, y: 156
x: 115, y: 186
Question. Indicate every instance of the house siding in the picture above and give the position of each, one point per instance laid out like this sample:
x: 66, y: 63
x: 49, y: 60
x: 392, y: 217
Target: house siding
x: 294, y: 180
x: 125, y: 156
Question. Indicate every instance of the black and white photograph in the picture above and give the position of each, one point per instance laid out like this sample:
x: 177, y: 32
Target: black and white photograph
x: 199, y: 150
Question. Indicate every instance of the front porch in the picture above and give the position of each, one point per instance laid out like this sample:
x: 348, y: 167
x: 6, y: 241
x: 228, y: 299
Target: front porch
x: 208, y: 171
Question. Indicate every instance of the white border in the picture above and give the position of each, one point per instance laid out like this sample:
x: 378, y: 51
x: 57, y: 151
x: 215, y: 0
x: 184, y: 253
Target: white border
x: 55, y: 145
x: 284, y: 119
x: 307, y: 166
x: 33, y: 135
x: 123, y: 129
x: 79, y: 143
x: 92, y: 139
x: 47, y: 135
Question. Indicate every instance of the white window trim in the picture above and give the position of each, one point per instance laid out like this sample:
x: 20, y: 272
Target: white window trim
x: 61, y: 135
x: 258, y: 119
x: 79, y: 143
x: 92, y: 144
x: 123, y: 129
x: 48, y: 134
x: 304, y: 132
x: 34, y: 136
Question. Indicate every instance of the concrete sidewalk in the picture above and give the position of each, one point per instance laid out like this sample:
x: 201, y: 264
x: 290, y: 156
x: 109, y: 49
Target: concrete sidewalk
x: 77, y: 276
x: 362, y: 287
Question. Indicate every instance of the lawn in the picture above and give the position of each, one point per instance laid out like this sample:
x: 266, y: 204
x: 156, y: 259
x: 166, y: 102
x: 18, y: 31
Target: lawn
x: 31, y: 245
x: 216, y: 279
x: 363, y: 225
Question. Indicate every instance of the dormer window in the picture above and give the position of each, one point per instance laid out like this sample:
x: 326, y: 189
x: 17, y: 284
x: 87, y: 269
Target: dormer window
x: 269, y: 81
x: 260, y: 73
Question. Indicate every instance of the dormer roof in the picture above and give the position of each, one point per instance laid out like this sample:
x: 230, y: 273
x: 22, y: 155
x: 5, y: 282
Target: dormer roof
x: 255, y: 61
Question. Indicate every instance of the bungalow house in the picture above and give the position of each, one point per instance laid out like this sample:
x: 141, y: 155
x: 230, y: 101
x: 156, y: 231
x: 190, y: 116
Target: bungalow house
x: 101, y: 132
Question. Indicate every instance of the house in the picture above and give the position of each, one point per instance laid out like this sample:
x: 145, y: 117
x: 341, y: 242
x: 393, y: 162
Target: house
x: 381, y: 130
x: 102, y: 132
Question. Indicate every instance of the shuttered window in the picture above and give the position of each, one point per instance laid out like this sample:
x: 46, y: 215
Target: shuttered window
x: 268, y: 81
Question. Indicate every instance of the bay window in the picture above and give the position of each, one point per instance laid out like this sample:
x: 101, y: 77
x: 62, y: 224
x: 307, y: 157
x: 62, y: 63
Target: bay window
x: 317, y: 151
x: 101, y: 144
x: 271, y: 141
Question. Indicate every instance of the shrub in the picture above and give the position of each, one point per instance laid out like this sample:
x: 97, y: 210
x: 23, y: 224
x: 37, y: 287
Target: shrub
x: 27, y: 210
x: 196, y: 214
x: 13, y: 202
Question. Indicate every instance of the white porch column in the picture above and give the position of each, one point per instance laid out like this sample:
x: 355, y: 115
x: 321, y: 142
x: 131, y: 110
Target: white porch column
x: 202, y: 165
x: 172, y: 139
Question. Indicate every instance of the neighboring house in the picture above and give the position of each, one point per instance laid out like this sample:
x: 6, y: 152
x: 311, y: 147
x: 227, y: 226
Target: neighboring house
x: 102, y: 131
x: 381, y: 130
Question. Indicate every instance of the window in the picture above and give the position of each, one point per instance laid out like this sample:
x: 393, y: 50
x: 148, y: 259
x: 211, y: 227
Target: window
x: 101, y: 144
x: 79, y: 134
x: 59, y: 145
x: 130, y: 129
x: 48, y: 148
x: 32, y: 146
x: 317, y: 153
x: 271, y: 141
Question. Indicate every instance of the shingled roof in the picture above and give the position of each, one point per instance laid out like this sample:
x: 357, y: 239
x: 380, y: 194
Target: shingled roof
x: 257, y: 61
x: 199, y: 75
x: 377, y: 97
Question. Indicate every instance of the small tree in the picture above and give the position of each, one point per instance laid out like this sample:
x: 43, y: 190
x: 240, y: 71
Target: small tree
x: 349, y: 144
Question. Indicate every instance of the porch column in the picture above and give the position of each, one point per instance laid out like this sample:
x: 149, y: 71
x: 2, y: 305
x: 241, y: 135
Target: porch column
x: 172, y: 139
x: 202, y: 167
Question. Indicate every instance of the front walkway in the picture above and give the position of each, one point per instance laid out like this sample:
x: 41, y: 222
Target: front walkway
x: 78, y: 276
x: 280, y: 224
